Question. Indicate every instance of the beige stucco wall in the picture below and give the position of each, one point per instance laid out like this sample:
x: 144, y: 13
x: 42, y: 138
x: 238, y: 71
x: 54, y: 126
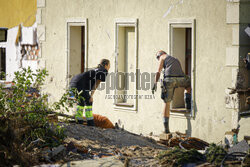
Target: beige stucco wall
x: 213, y: 36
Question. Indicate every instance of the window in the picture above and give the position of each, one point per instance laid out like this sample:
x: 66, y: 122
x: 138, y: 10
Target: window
x: 3, y: 40
x: 77, y: 46
x: 126, y: 64
x: 2, y: 63
x: 3, y: 34
x: 181, y: 46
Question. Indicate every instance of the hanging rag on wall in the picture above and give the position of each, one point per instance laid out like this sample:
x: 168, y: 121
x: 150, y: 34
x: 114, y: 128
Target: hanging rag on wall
x: 27, y: 40
x: 29, y: 36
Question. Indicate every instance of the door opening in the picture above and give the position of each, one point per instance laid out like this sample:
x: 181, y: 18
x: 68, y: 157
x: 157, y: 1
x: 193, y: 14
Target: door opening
x: 77, y: 53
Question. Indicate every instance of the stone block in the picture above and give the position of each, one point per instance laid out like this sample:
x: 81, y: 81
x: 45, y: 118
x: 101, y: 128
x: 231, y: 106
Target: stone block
x: 235, y: 35
x: 234, y: 76
x: 41, y: 3
x: 41, y: 32
x: 233, y: 1
x: 39, y: 16
x: 232, y: 56
x: 231, y: 100
x: 233, y: 13
x: 165, y: 136
x: 235, y: 119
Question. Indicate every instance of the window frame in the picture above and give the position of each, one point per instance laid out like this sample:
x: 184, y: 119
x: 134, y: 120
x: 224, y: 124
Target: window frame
x: 75, y: 22
x: 185, y: 23
x: 126, y: 23
x: 3, y: 44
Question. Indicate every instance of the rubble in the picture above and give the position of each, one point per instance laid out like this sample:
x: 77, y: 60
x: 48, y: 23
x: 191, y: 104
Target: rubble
x: 215, y: 154
x: 246, y: 161
x: 85, y: 142
x: 92, y: 145
x: 179, y: 157
x: 181, y: 140
x: 240, y: 147
x: 58, y: 152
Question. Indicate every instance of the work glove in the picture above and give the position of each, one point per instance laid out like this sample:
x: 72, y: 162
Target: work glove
x: 154, y: 88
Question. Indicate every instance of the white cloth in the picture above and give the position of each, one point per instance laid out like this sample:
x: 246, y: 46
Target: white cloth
x: 29, y: 35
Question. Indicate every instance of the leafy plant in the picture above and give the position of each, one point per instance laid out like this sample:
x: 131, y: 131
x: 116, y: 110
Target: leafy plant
x: 23, y: 116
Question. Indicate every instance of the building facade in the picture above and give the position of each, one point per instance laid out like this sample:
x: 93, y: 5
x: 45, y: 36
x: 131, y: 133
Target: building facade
x: 208, y: 37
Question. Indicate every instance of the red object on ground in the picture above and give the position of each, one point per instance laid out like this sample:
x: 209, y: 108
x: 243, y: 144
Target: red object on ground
x: 102, y: 121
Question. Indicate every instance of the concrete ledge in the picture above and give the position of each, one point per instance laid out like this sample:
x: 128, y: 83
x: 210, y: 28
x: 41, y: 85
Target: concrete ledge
x: 234, y: 76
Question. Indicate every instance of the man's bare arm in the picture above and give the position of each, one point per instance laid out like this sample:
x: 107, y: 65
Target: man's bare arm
x: 157, y: 77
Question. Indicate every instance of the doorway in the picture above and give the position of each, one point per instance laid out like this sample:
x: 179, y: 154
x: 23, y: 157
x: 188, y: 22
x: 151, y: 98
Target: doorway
x: 76, y: 50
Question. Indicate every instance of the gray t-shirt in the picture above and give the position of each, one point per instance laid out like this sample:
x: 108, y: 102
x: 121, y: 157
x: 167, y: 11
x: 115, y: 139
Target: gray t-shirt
x: 172, y: 67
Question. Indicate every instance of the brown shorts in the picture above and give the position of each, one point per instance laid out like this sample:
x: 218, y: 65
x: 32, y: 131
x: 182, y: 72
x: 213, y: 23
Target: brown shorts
x: 170, y: 83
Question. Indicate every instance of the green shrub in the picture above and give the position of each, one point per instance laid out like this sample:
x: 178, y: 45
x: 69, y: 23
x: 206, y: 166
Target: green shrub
x: 23, y: 116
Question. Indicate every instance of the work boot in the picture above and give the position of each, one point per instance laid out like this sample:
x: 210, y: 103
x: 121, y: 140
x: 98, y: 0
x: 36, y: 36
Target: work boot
x: 166, y: 124
x: 90, y: 123
x: 166, y: 127
x: 79, y: 122
x: 187, y: 98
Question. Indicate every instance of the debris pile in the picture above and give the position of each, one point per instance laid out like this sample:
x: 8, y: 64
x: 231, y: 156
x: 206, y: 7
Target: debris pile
x: 185, y: 148
x: 215, y: 154
x: 98, y: 143
x: 181, y: 140
x: 179, y: 157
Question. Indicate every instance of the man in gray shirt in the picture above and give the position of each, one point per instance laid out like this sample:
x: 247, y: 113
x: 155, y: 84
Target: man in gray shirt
x: 173, y: 78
